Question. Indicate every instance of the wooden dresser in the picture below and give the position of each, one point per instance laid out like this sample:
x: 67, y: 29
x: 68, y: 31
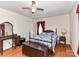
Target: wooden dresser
x: 15, y: 41
x: 7, y: 38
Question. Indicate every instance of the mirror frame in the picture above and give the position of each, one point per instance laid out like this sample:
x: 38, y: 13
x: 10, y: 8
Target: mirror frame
x: 10, y: 24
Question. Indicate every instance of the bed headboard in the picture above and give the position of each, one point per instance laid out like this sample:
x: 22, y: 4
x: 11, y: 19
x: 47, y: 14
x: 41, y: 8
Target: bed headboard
x: 48, y: 31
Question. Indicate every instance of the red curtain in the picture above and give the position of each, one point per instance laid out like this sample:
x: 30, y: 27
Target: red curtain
x: 2, y: 30
x: 42, y: 24
x: 78, y: 50
x: 77, y: 11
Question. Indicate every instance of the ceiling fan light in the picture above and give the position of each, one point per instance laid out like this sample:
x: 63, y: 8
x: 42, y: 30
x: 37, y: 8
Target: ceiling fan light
x: 33, y: 10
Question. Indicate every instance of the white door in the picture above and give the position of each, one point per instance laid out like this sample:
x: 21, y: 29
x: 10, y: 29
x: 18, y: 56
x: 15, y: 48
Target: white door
x: 29, y: 29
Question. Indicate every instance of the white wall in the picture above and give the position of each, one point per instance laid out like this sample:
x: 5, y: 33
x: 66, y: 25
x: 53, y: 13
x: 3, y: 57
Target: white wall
x: 19, y: 21
x: 74, y: 34
x: 60, y: 22
x: 35, y: 28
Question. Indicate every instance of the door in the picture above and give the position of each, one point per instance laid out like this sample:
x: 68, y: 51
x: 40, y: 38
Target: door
x: 29, y: 29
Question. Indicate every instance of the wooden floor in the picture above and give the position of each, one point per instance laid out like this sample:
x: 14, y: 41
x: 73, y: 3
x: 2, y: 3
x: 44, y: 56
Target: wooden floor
x: 64, y: 51
x: 61, y: 51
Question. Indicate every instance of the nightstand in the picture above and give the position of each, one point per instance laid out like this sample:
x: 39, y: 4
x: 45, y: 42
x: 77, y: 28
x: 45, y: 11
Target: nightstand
x: 62, y: 39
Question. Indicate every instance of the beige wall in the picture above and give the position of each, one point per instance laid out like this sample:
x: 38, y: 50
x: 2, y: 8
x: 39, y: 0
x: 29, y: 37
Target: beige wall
x: 19, y: 22
x: 74, y: 30
x: 60, y: 22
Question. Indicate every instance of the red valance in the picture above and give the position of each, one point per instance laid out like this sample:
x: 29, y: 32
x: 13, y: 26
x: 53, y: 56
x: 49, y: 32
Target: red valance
x: 77, y: 11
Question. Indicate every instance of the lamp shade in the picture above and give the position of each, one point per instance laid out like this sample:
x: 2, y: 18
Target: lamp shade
x: 77, y: 11
x: 63, y: 31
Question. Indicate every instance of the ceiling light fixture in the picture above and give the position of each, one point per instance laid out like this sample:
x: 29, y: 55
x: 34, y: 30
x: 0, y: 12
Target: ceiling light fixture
x: 34, y: 7
x: 33, y: 10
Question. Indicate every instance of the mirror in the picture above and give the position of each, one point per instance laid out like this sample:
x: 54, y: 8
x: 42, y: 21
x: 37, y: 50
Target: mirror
x: 6, y: 28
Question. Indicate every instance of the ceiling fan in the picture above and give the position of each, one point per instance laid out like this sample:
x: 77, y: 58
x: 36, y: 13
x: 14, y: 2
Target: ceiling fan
x: 33, y: 8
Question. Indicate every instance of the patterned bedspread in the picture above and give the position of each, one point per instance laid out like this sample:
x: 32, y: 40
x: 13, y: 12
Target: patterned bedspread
x: 47, y: 38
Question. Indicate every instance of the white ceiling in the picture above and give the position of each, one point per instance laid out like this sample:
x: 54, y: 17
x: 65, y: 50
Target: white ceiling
x: 51, y: 8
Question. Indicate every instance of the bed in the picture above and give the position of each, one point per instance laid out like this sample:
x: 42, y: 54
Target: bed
x: 48, y: 38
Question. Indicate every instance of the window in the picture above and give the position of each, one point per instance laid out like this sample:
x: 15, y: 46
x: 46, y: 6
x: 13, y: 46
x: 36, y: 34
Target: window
x: 40, y: 27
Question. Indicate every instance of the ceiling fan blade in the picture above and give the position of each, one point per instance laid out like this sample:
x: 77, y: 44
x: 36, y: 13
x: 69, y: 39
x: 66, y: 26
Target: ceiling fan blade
x: 26, y: 8
x: 40, y: 9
